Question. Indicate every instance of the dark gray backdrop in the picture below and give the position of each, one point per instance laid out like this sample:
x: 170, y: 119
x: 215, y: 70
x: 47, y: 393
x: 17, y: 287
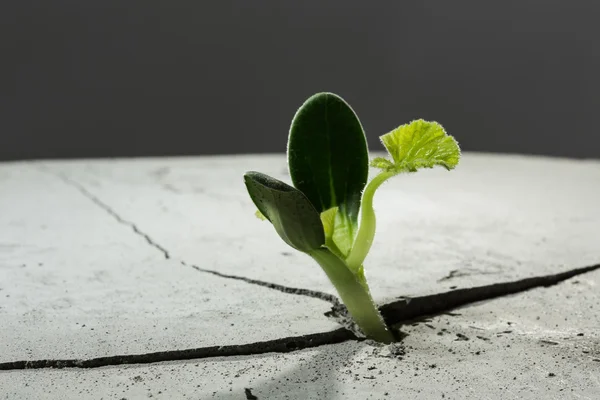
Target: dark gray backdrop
x: 132, y: 78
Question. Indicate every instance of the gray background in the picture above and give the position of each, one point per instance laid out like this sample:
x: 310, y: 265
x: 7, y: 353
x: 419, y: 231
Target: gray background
x: 132, y: 78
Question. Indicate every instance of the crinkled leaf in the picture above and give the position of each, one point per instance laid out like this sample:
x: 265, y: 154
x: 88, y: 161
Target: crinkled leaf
x: 382, y: 163
x: 419, y: 144
x: 289, y: 210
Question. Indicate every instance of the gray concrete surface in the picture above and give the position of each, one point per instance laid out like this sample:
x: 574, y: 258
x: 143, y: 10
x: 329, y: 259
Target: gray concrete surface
x: 91, y: 265
x: 74, y: 283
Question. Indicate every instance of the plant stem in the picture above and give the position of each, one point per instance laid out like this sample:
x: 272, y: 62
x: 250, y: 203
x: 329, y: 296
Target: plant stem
x: 355, y: 295
x: 366, y: 229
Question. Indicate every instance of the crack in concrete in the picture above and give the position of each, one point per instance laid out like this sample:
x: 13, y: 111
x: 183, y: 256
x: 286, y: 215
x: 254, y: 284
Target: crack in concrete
x: 285, y: 289
x: 402, y: 311
x: 419, y: 307
x: 283, y: 345
x: 405, y: 310
x: 81, y: 189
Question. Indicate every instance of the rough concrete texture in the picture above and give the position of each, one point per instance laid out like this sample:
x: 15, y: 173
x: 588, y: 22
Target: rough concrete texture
x: 493, y: 218
x: 112, y: 245
x: 74, y: 283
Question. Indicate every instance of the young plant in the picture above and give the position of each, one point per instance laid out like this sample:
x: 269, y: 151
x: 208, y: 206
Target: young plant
x: 329, y: 166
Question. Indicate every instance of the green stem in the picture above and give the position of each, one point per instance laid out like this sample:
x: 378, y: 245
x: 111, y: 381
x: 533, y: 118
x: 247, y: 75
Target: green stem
x: 355, y: 295
x: 366, y: 229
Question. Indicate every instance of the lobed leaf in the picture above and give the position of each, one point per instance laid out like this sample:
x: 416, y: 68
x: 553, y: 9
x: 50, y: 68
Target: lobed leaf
x: 419, y: 144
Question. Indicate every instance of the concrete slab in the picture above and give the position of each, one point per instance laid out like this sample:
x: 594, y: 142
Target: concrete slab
x: 524, y: 346
x: 75, y: 283
x: 496, y: 217
x: 101, y: 243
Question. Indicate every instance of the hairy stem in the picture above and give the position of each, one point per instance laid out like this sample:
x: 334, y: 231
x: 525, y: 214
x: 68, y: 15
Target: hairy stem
x: 355, y: 294
x: 366, y: 229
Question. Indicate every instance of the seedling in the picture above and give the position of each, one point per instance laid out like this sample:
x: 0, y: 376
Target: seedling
x: 328, y: 213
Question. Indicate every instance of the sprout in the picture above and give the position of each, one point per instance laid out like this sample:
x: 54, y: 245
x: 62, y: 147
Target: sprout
x: 329, y: 165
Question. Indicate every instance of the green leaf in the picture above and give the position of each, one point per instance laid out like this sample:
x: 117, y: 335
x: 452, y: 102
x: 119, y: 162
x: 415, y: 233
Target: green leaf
x: 289, y: 210
x: 328, y: 221
x: 337, y: 237
x: 260, y: 215
x: 382, y: 163
x: 419, y: 144
x: 343, y: 234
x: 327, y: 155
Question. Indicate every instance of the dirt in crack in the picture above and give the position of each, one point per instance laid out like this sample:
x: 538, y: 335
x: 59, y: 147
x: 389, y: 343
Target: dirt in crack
x: 396, y: 312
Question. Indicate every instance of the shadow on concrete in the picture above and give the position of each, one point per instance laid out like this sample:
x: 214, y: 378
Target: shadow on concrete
x: 314, y: 376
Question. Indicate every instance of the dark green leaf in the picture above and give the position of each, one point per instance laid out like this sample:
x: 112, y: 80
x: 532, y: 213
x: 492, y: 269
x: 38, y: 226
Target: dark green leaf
x: 327, y: 154
x: 291, y: 213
